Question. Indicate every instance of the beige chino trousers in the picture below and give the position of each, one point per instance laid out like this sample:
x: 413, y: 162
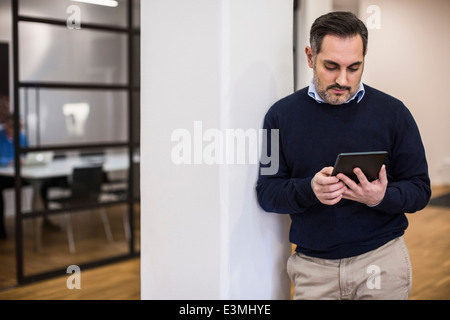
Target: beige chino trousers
x: 382, y: 274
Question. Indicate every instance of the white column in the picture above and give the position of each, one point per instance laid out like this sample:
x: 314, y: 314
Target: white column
x: 210, y: 70
x: 308, y: 11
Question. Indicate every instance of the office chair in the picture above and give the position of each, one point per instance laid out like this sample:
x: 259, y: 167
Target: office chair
x: 113, y: 186
x: 122, y: 193
x: 85, y: 189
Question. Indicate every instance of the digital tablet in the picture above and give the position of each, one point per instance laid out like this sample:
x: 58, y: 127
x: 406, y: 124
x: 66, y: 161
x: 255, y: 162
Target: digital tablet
x: 369, y: 162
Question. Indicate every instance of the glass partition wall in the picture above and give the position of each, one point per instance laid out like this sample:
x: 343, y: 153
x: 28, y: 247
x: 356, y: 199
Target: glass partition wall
x: 76, y: 103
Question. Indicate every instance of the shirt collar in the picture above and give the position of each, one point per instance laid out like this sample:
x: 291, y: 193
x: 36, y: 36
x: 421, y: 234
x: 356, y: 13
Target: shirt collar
x: 312, y: 92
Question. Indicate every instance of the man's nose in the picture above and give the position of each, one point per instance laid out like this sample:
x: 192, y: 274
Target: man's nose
x: 342, y: 79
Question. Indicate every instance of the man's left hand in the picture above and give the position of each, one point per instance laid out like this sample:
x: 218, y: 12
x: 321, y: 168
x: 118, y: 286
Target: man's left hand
x: 369, y: 193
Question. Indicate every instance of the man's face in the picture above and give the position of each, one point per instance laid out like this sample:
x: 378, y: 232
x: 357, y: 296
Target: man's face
x: 337, y: 68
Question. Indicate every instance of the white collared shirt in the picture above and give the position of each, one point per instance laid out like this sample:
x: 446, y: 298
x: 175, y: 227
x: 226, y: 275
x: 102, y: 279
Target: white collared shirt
x: 312, y: 92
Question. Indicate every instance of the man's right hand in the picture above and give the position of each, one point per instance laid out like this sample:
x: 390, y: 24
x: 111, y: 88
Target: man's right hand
x: 327, y: 188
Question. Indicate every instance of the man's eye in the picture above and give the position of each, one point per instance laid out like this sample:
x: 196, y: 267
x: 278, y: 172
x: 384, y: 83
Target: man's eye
x: 330, y: 68
x: 353, y: 69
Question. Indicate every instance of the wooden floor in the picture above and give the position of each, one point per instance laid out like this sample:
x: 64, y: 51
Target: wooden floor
x: 428, y: 240
x: 118, y: 281
x: 91, y: 245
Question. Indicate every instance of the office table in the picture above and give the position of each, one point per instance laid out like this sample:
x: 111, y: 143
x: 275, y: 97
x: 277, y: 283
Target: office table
x: 37, y: 174
x: 63, y: 167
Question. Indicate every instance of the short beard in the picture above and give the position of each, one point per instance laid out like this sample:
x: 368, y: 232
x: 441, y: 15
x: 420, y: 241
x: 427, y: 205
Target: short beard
x: 327, y: 97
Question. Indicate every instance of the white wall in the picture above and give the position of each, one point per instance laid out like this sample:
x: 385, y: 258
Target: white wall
x: 222, y: 63
x: 260, y: 72
x: 308, y: 11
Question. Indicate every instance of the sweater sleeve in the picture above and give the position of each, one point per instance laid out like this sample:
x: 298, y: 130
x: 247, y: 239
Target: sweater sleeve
x: 276, y: 190
x: 408, y: 188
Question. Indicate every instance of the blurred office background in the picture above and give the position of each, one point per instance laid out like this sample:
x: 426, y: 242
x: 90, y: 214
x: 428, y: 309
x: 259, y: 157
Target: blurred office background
x: 78, y: 99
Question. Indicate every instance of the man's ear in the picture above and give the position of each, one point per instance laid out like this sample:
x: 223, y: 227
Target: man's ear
x: 309, y: 56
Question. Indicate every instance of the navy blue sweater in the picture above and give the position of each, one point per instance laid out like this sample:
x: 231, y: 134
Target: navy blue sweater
x: 311, y: 135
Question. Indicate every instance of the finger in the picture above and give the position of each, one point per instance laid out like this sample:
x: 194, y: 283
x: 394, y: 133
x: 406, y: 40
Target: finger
x: 327, y: 171
x: 349, y: 182
x: 332, y: 201
x: 330, y: 188
x: 325, y: 179
x: 348, y: 197
x: 326, y: 176
x: 383, y: 175
x: 361, y: 176
x: 336, y: 200
x: 334, y: 195
x: 348, y: 194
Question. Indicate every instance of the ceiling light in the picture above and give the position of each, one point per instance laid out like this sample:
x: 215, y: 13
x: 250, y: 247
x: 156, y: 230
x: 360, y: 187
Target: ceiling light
x: 107, y: 3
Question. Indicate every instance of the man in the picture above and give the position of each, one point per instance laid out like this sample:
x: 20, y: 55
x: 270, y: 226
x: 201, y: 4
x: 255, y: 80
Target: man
x: 348, y: 235
x: 7, y: 159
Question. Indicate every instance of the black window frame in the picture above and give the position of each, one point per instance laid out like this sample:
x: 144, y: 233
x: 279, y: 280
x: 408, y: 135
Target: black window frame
x: 132, y: 143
